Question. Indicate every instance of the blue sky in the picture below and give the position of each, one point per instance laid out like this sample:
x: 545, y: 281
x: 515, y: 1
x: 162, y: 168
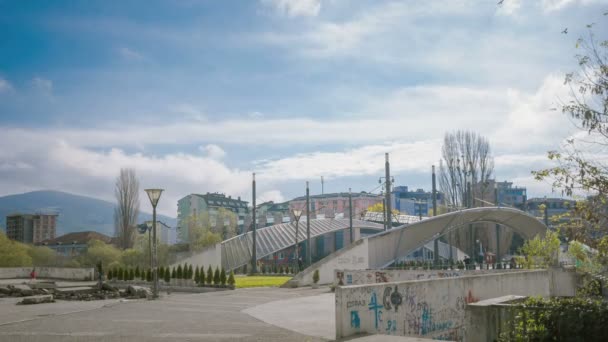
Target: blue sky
x: 196, y: 95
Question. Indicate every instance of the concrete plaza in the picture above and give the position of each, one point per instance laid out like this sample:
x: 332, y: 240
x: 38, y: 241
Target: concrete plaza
x: 213, y: 316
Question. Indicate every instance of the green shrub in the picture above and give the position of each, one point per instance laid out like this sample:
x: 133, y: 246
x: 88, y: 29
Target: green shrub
x: 190, y: 273
x: 173, y: 273
x: 197, y: 275
x: 179, y: 272
x: 121, y: 274
x: 223, y: 277
x: 216, y: 276
x: 149, y: 275
x: 131, y: 274
x: 315, y: 276
x: 231, y: 279
x: 137, y: 272
x: 110, y: 275
x: 167, y: 276
x: 209, y: 275
x: 161, y: 272
x: 202, y: 275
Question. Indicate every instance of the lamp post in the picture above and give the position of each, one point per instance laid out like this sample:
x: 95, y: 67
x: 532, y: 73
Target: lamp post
x: 297, y: 214
x: 154, y: 196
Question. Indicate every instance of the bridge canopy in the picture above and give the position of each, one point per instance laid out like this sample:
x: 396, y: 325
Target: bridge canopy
x: 236, y: 252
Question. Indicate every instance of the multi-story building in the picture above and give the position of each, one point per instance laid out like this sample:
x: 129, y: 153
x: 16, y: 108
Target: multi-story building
x: 74, y: 244
x: 417, y: 203
x: 329, y: 205
x: 194, y: 205
x: 270, y: 213
x: 554, y: 206
x: 31, y: 228
x: 510, y: 195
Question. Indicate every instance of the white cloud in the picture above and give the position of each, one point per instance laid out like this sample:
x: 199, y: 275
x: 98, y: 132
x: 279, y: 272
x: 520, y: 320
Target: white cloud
x: 273, y: 195
x: 189, y: 111
x: 130, y: 54
x: 5, y: 85
x: 556, y: 5
x: 43, y: 85
x: 509, y: 7
x: 295, y: 8
x: 213, y: 151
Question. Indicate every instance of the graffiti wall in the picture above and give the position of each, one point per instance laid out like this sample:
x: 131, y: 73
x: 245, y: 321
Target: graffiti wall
x: 433, y: 308
x: 361, y: 277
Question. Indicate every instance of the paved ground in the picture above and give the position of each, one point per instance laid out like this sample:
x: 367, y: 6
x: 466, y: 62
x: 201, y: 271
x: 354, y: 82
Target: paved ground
x: 177, y: 317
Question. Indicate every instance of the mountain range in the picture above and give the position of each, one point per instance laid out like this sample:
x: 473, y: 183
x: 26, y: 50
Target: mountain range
x: 76, y: 213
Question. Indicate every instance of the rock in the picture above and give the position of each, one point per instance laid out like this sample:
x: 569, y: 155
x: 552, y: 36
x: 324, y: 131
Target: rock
x: 21, y: 290
x: 138, y: 291
x: 108, y: 287
x: 37, y: 299
x: 44, y: 285
x: 75, y: 290
x: 5, y: 290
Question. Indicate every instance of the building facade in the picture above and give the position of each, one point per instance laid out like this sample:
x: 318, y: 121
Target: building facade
x: 31, y: 228
x: 74, y: 244
x: 416, y: 203
x: 194, y: 205
x: 328, y: 205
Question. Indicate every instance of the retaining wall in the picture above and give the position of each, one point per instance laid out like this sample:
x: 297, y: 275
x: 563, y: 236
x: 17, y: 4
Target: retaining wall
x: 361, y: 277
x: 48, y: 272
x: 433, y: 308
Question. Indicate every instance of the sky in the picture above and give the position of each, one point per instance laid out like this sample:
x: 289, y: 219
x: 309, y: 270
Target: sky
x: 197, y: 95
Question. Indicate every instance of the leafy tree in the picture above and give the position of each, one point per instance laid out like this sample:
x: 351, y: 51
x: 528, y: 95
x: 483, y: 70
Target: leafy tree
x: 379, y: 208
x: 167, y: 276
x: 209, y: 275
x: 13, y: 254
x: 42, y: 256
x: 579, y: 168
x: 179, y: 272
x: 131, y: 274
x: 190, y: 273
x: 121, y: 274
x: 197, y: 275
x: 201, y: 234
x: 541, y: 252
x: 100, y: 251
x: 173, y: 273
x: 133, y: 257
x: 137, y: 272
x: 223, y: 277
x: 202, y: 275
x: 231, y: 279
x: 110, y: 274
x: 216, y: 276
x: 127, y: 208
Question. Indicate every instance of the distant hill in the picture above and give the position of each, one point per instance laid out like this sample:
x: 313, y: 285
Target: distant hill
x: 76, y: 213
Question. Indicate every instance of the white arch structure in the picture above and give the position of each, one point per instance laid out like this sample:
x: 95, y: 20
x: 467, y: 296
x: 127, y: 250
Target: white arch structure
x: 382, y: 249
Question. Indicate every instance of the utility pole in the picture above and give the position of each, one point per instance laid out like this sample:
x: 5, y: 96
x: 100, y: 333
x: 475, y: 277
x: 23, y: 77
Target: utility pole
x: 434, y: 195
x: 471, y: 235
x: 546, y: 212
x: 308, y: 246
x: 384, y: 213
x: 322, y: 186
x: 389, y: 212
x: 254, y: 261
x: 497, y: 231
x: 350, y: 214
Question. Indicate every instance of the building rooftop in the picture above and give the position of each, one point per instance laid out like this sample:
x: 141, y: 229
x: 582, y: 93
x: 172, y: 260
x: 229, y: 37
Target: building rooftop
x: 338, y: 194
x: 218, y: 199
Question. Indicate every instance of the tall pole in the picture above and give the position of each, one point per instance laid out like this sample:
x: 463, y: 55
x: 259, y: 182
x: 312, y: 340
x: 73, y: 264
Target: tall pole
x: 387, y: 168
x: 497, y: 231
x: 434, y: 195
x: 254, y: 260
x: 322, y: 186
x: 155, y: 260
x: 296, y: 245
x: 150, y: 246
x: 350, y: 214
x: 471, y: 235
x: 308, y: 246
x: 384, y: 213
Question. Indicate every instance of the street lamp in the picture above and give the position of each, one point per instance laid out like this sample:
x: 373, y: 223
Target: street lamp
x: 154, y: 196
x: 297, y: 214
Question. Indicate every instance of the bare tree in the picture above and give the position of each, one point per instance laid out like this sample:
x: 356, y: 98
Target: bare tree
x: 127, y: 207
x: 466, y: 159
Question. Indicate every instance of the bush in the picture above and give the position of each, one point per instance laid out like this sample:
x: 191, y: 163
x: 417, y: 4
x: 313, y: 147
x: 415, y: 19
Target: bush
x: 223, y: 277
x: 190, y: 273
x: 149, y: 275
x: 167, y: 276
x: 209, y: 275
x: 137, y: 272
x: 179, y: 272
x: 197, y: 275
x: 121, y: 274
x: 131, y: 274
x: 110, y: 274
x: 315, y: 276
x: 216, y: 276
x: 202, y: 275
x: 173, y: 273
x: 161, y: 272
x: 231, y: 279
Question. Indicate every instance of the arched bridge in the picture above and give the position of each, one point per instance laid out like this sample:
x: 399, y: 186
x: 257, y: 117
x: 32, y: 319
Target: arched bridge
x: 381, y: 250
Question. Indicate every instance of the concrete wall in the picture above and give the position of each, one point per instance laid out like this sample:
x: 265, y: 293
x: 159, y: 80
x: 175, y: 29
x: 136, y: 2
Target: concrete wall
x: 432, y: 308
x: 211, y: 255
x: 361, y: 277
x: 48, y: 272
x: 354, y: 257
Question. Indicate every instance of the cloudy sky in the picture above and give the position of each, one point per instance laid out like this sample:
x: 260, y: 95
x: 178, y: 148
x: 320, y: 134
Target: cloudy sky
x: 196, y: 95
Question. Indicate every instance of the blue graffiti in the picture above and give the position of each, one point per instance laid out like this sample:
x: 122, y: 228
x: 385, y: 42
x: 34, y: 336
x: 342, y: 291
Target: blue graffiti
x: 355, y: 321
x: 391, y: 326
x: 428, y: 325
x: 349, y: 278
x: 373, y: 305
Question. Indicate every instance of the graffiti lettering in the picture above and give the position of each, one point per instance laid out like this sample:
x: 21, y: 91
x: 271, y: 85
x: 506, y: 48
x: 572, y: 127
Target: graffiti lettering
x: 373, y: 305
x: 340, y: 276
x: 391, y: 326
x: 355, y: 321
x: 381, y: 277
x: 353, y: 303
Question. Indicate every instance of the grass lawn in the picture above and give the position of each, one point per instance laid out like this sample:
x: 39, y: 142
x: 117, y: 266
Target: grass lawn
x: 259, y: 281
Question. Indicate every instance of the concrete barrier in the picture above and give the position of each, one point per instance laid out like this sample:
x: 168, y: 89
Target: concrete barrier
x: 362, y: 277
x: 432, y: 308
x: 63, y: 273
